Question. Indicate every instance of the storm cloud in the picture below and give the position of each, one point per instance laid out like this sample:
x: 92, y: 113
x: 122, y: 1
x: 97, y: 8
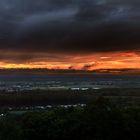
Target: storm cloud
x: 64, y: 26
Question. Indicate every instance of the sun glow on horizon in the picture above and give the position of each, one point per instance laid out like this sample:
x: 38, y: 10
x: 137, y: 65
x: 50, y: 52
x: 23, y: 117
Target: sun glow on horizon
x: 116, y: 60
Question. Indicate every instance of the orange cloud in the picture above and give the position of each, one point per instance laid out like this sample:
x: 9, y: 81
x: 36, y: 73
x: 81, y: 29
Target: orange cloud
x: 93, y: 61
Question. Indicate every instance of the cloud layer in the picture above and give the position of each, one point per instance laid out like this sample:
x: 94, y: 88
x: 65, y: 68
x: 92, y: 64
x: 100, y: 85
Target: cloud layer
x: 69, y: 26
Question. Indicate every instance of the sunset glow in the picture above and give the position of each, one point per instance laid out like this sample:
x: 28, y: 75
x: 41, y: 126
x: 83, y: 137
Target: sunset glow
x: 71, y: 34
x: 112, y: 60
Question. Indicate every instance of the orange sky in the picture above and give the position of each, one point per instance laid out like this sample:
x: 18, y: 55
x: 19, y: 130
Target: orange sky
x: 92, y: 61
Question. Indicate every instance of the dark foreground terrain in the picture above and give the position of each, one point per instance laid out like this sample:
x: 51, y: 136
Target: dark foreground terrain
x: 23, y: 99
x: 100, y: 120
x: 103, y: 114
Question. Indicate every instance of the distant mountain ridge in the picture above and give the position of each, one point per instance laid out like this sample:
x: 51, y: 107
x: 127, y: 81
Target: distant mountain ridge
x: 71, y: 71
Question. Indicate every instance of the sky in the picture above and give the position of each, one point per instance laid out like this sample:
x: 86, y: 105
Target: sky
x: 70, y: 34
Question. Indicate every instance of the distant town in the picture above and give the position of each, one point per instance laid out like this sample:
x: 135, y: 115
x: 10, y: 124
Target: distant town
x: 12, y: 86
x: 12, y: 80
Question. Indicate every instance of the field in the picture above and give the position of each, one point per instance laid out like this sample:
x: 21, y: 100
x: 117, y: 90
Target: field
x: 67, y: 97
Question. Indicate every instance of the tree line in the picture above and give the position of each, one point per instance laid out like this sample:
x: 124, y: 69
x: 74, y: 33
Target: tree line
x: 99, y: 120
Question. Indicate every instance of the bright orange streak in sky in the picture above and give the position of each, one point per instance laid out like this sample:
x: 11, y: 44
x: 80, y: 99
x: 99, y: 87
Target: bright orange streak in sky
x: 116, y: 60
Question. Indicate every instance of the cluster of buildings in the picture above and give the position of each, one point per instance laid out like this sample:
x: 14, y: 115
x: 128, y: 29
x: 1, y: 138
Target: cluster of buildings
x: 57, y: 85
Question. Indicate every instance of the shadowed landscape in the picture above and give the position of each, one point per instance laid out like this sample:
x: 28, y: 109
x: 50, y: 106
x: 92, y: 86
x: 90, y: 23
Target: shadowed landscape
x: 100, y: 119
x: 69, y: 69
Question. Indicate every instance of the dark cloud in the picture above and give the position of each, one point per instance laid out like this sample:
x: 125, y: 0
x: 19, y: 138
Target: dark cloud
x: 70, y: 25
x: 88, y: 66
x: 71, y: 67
